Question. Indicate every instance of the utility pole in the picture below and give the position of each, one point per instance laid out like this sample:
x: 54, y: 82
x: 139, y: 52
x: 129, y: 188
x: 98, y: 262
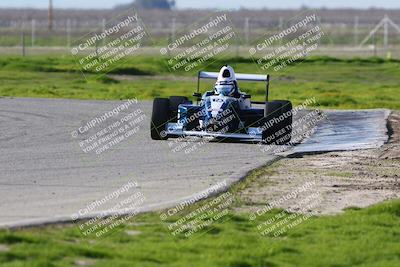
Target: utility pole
x: 50, y: 15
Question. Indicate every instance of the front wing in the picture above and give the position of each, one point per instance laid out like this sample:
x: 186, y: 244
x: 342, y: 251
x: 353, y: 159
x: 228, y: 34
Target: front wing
x: 253, y: 133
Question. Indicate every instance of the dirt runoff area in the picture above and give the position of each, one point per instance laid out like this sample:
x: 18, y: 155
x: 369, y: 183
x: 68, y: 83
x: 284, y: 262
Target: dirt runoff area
x: 330, y: 182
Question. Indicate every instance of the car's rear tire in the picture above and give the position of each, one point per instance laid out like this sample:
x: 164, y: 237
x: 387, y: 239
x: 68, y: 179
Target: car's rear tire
x: 159, y: 118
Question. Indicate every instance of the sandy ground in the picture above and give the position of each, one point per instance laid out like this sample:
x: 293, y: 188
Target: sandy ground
x: 330, y: 182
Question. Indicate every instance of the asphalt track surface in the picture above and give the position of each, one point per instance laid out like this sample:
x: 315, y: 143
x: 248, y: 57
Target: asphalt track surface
x: 45, y: 176
x: 347, y: 130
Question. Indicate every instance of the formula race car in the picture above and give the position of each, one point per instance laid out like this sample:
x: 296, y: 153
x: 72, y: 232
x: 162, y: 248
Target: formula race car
x: 223, y: 113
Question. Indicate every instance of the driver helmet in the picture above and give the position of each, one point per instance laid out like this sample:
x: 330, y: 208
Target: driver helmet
x: 226, y: 81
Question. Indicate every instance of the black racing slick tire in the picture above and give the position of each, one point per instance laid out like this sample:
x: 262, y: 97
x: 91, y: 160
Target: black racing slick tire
x: 285, y: 127
x: 159, y: 118
x: 174, y: 102
x: 269, y: 124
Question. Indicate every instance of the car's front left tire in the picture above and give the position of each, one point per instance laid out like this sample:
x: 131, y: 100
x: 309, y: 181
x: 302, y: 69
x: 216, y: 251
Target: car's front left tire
x: 159, y: 118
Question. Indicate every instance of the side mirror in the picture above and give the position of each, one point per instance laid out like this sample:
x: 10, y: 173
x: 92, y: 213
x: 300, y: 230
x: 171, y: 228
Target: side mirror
x: 246, y: 96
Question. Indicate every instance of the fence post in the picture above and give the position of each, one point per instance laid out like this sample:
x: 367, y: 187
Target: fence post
x: 68, y: 33
x: 97, y: 48
x: 246, y: 31
x: 356, y: 30
x: 319, y: 23
x: 173, y: 29
x: 104, y: 30
x: 169, y: 41
x: 385, y: 33
x: 280, y: 26
x: 374, y: 42
x: 23, y: 43
x: 33, y: 29
x: 237, y: 47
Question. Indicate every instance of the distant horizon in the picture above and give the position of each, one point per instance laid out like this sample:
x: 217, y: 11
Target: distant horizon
x: 211, y: 4
x: 212, y: 8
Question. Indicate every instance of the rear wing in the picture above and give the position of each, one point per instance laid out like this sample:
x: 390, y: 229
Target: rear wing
x: 239, y: 77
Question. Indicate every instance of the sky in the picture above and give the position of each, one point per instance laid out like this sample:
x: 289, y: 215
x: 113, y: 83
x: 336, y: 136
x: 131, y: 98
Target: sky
x: 227, y: 4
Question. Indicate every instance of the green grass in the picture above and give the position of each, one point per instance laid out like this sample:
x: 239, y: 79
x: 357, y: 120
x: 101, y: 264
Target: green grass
x: 335, y: 83
x: 362, y: 237
x: 357, y: 237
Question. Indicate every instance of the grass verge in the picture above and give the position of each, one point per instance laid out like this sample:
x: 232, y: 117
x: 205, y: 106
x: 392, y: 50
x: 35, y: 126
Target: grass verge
x: 364, y: 237
x: 335, y: 83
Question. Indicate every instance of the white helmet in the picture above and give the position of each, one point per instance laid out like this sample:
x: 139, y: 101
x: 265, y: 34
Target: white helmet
x: 226, y: 74
x: 226, y: 81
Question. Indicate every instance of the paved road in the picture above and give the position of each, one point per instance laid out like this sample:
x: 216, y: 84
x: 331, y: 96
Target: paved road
x: 46, y: 176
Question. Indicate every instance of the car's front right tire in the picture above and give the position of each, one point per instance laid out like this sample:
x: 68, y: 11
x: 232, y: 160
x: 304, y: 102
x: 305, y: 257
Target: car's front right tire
x: 174, y: 102
x: 277, y: 131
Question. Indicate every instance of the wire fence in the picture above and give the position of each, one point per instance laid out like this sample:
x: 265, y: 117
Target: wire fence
x: 29, y: 29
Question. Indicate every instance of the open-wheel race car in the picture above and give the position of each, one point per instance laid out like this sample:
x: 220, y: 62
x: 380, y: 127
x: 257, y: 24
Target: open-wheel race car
x: 223, y: 113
